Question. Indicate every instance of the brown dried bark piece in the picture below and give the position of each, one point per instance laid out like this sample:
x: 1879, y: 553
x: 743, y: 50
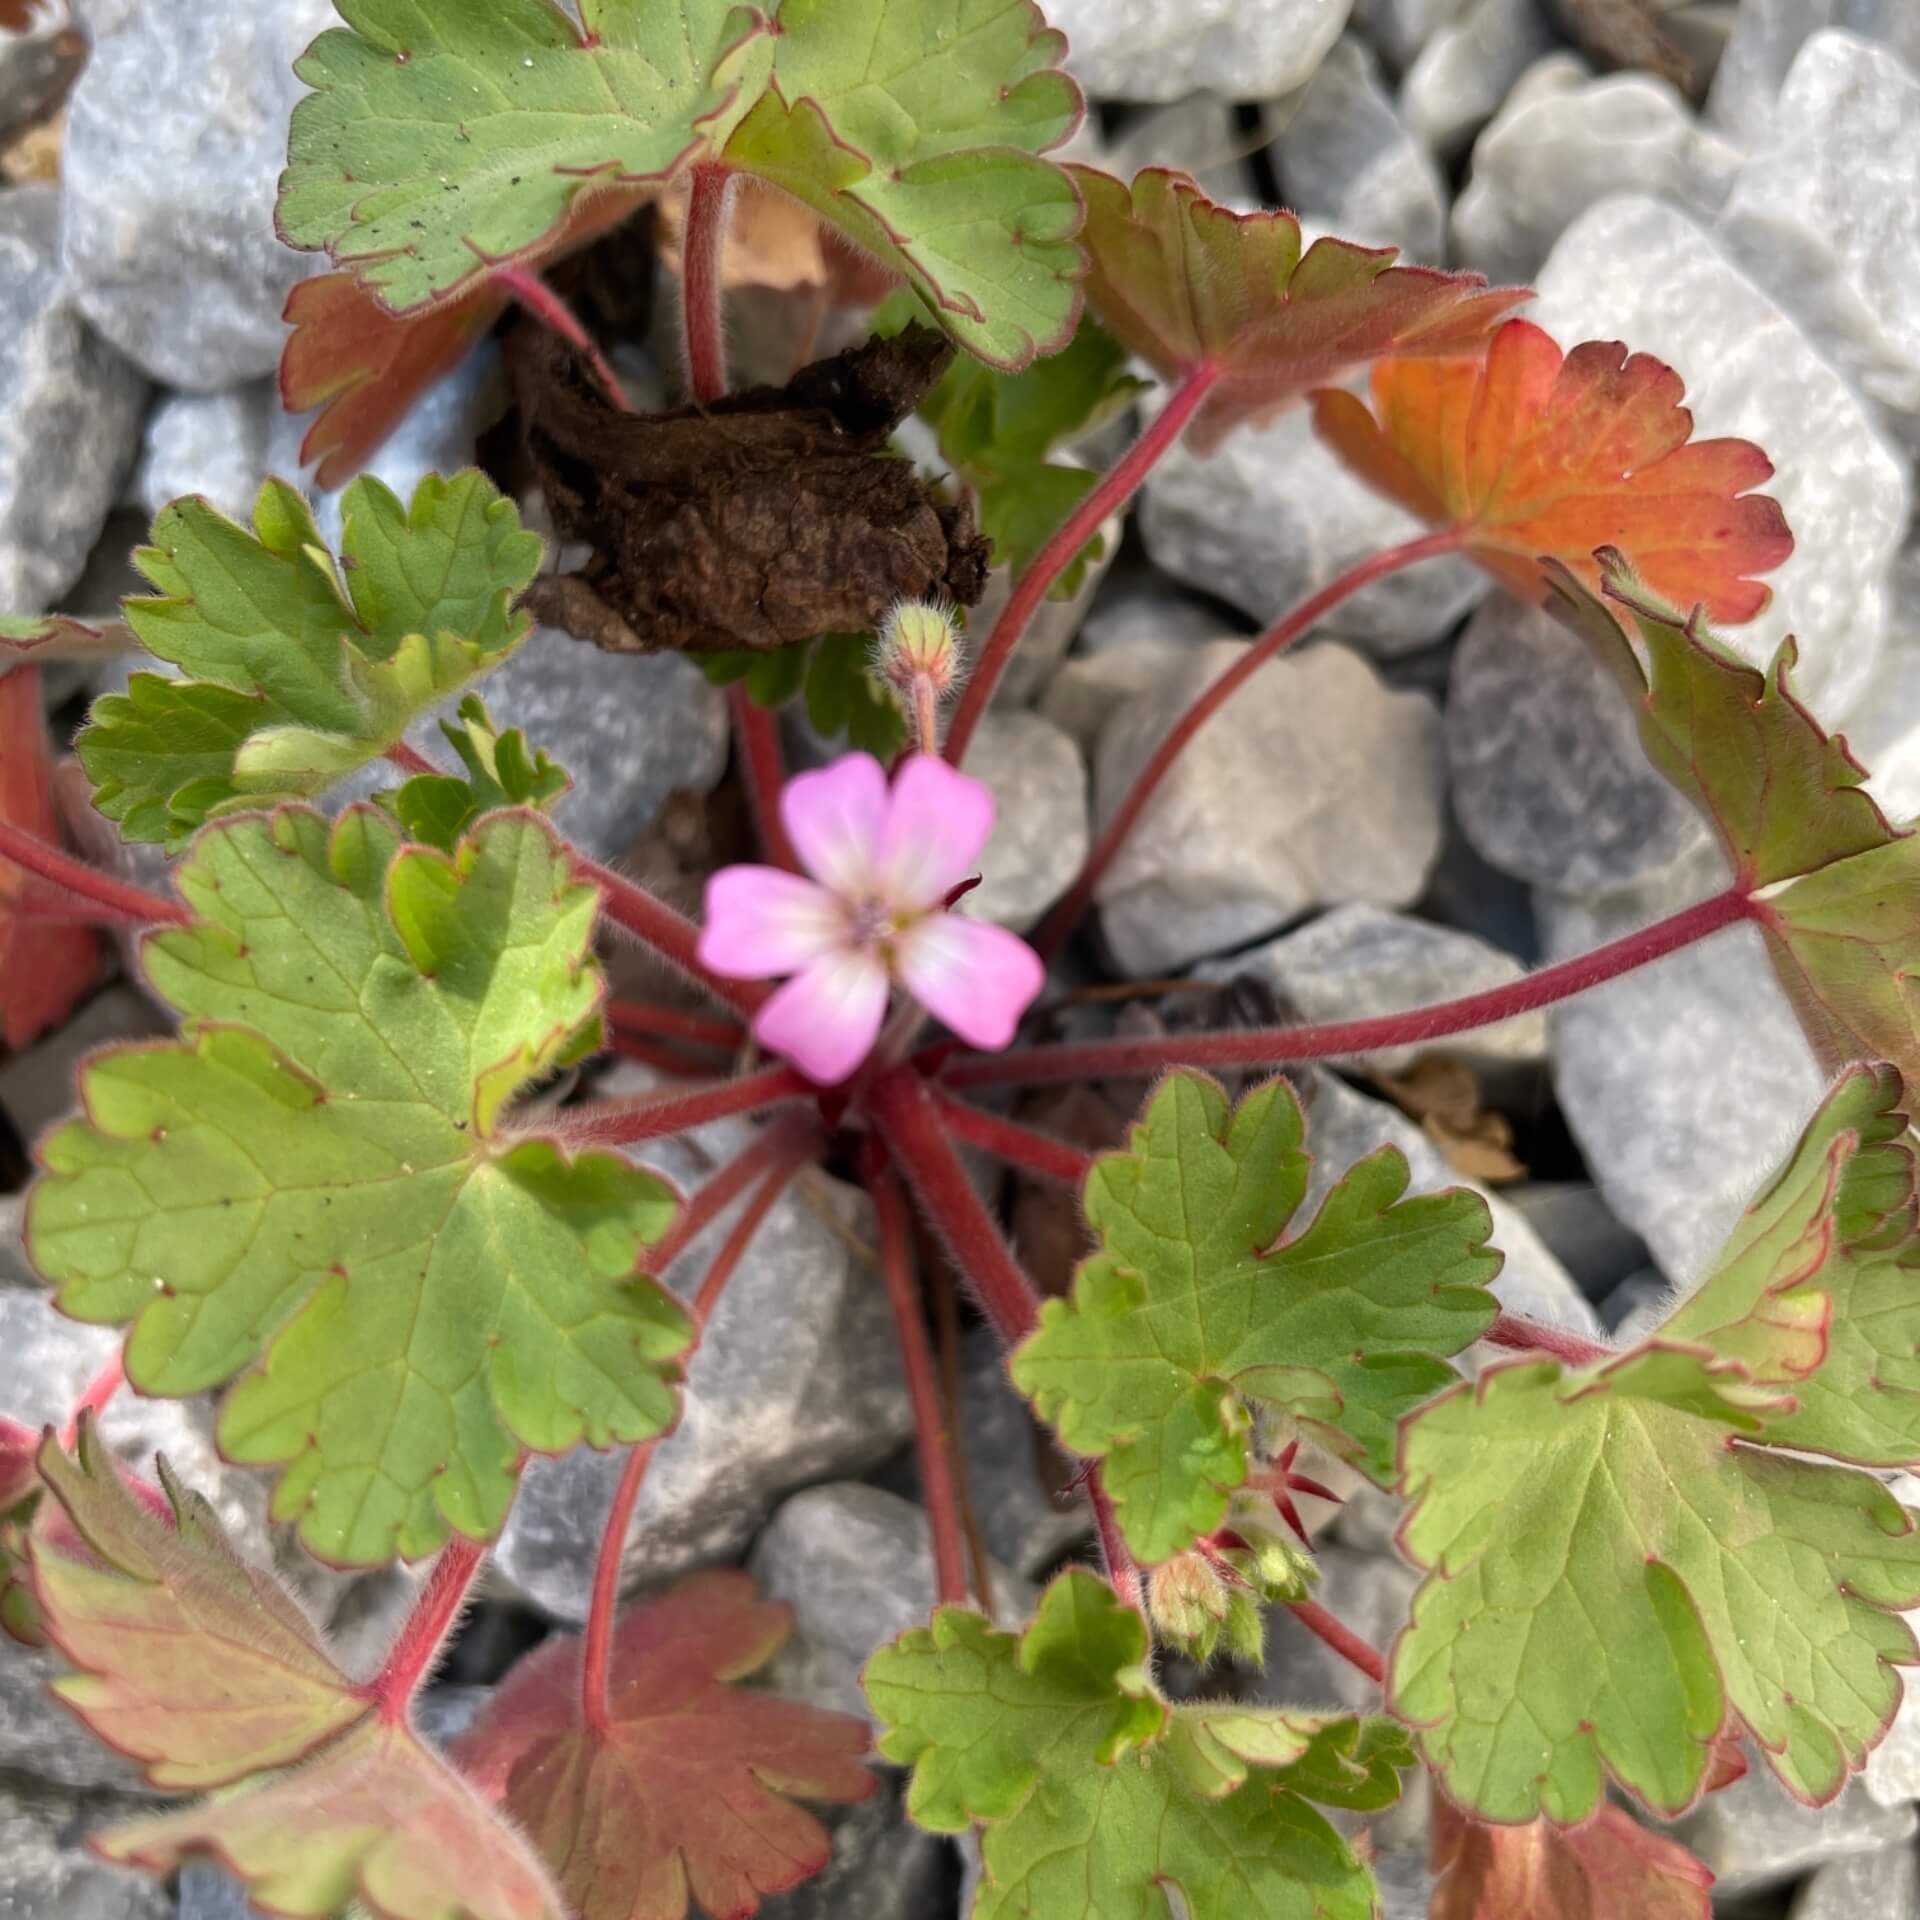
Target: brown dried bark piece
x: 772, y: 516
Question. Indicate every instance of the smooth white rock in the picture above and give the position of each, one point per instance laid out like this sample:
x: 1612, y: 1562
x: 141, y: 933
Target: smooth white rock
x: 1398, y: 29
x: 1240, y: 49
x: 176, y: 136
x: 1051, y: 630
x: 1755, y: 1835
x: 1272, y: 515
x: 1198, y: 135
x: 1359, y: 961
x: 1314, y: 784
x: 1038, y: 777
x: 70, y: 410
x: 1546, y: 158
x: 214, y: 444
x: 1884, y: 1885
x: 1550, y: 782
x: 1348, y: 159
x: 1468, y: 67
x: 1767, y: 34
x: 1687, y: 1081
x: 1087, y: 691
x: 1633, y: 268
x: 1826, y: 215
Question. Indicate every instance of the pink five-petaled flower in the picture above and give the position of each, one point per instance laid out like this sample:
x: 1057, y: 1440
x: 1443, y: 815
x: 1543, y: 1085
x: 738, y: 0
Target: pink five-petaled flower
x: 883, y: 865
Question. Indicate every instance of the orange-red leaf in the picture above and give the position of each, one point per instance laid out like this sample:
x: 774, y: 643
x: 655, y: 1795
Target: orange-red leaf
x: 1529, y: 453
x: 44, y: 967
x: 19, y: 1471
x: 1186, y: 282
x: 683, y: 1797
x: 1610, y: 1869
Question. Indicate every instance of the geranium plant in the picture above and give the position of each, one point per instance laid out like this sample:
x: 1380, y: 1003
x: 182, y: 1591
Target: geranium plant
x: 327, y: 1197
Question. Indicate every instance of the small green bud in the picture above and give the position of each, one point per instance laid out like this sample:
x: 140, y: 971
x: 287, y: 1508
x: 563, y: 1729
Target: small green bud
x: 919, y: 645
x: 1189, y: 1603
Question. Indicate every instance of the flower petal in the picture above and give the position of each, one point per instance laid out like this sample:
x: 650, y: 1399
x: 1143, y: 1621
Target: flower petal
x: 835, y: 818
x: 761, y: 922
x: 938, y: 821
x: 977, y: 979
x: 826, y: 1020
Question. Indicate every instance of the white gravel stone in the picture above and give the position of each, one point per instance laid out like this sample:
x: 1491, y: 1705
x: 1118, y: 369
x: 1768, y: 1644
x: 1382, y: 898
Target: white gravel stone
x: 1755, y: 1835
x: 1039, y: 781
x: 1400, y: 28
x: 1272, y: 515
x: 1636, y: 269
x: 176, y: 135
x: 214, y: 444
x: 1240, y: 49
x: 1685, y: 1082
x: 1359, y: 961
x: 1087, y: 691
x: 1571, y: 141
x: 1767, y: 34
x: 1314, y: 784
x: 1468, y: 67
x: 1826, y: 215
x: 1884, y: 1885
x: 70, y: 411
x: 1348, y: 160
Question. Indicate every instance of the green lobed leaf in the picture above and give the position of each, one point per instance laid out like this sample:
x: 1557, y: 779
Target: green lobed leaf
x: 1787, y: 800
x: 443, y: 135
x: 1621, y: 1563
x: 1099, y: 1800
x: 503, y: 770
x: 1194, y: 1307
x: 314, y: 1186
x: 834, y: 674
x: 299, y: 669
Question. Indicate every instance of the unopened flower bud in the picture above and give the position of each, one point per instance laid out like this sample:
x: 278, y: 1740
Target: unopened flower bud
x: 919, y: 648
x: 1188, y: 1602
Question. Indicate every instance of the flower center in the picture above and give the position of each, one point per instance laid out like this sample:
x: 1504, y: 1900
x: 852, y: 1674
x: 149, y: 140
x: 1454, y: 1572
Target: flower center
x: 873, y: 923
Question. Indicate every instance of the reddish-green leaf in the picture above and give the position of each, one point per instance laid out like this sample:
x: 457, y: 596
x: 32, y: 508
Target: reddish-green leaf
x: 1529, y: 453
x: 1611, y: 1869
x: 44, y: 968
x: 206, y: 1670
x: 683, y: 1797
x: 1186, y: 282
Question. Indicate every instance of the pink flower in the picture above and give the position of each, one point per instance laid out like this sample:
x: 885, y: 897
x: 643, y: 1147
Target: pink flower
x: 874, y: 913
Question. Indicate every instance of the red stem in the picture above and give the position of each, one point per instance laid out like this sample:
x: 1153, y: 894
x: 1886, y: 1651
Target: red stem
x: 1274, y: 1046
x: 789, y: 1137
x: 1522, y: 1335
x: 656, y: 1116
x: 596, y: 1666
x: 758, y: 735
x: 909, y: 1121
x: 670, y: 934
x: 670, y: 1023
x: 1007, y: 1140
x: 673, y: 1059
x: 931, y: 1439
x: 410, y: 759
x: 1342, y: 1639
x: 414, y: 1653
x: 1117, y: 486
x: 702, y: 323
x: 35, y: 856
x: 1121, y: 1568
x: 99, y: 1392
x: 1281, y: 635
x: 552, y: 312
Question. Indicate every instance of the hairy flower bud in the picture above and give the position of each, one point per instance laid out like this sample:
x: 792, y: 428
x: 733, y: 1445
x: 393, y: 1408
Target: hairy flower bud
x: 919, y: 646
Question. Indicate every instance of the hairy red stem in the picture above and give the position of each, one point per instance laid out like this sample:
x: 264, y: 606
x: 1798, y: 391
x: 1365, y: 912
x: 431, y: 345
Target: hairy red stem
x: 1117, y: 486
x: 671, y: 1023
x: 757, y: 734
x: 44, y: 906
x: 410, y: 759
x: 657, y: 1116
x: 909, y: 1121
x: 35, y: 856
x: 552, y: 312
x: 1275, y: 1046
x: 1121, y: 1568
x: 1342, y: 1639
x: 673, y: 1058
x: 1521, y: 1335
x: 931, y: 1438
x: 596, y: 1663
x: 1007, y: 1140
x: 796, y: 1138
x: 702, y: 320
x: 99, y: 1393
x: 669, y: 933
x: 414, y: 1654
x: 1281, y: 635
